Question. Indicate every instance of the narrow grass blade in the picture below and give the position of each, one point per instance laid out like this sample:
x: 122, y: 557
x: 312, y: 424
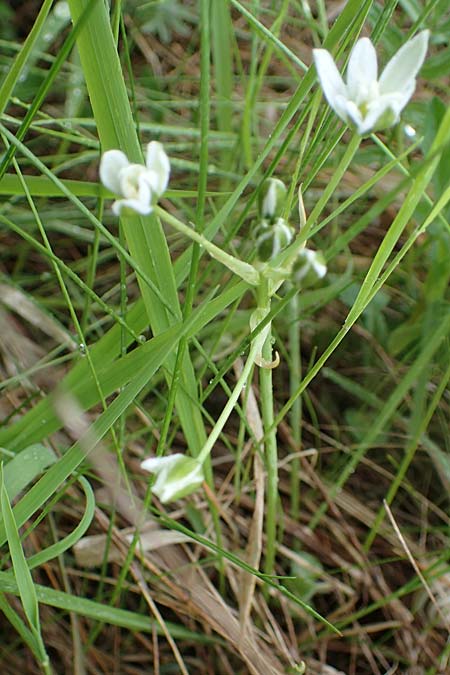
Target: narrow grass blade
x: 21, y: 570
x: 21, y: 59
x: 133, y: 621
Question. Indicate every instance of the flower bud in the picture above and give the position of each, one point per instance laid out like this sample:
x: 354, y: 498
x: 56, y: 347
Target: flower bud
x: 271, y: 239
x: 271, y: 199
x: 176, y: 476
x: 308, y: 268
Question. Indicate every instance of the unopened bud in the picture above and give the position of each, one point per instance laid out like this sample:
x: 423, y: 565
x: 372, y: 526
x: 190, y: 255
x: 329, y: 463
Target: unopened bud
x: 271, y: 239
x: 176, y: 476
x: 271, y: 199
x: 308, y: 268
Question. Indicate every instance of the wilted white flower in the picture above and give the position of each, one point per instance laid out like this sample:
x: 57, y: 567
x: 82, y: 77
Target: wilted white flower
x: 366, y: 102
x: 176, y: 476
x: 139, y: 186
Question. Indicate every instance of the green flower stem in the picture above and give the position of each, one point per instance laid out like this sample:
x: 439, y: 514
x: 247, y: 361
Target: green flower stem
x: 270, y: 435
x: 296, y: 411
x: 228, y: 409
x: 247, y: 272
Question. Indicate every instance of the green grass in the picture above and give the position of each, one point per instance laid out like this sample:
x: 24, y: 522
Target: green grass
x: 120, y: 340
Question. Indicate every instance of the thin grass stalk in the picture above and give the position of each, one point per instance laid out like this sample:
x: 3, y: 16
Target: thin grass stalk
x: 229, y: 406
x: 386, y: 413
x: 205, y: 47
x: 13, y: 74
x: 374, y: 279
x: 331, y: 186
x: 410, y: 451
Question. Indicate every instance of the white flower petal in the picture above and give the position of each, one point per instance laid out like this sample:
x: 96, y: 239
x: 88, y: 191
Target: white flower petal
x: 330, y: 80
x: 169, y: 490
x: 158, y: 162
x: 129, y: 179
x: 153, y: 180
x: 176, y: 475
x: 362, y: 69
x: 384, y: 112
x: 134, y: 204
x: 156, y: 463
x: 374, y: 114
x: 111, y: 164
x: 404, y: 65
x: 353, y: 114
x: 340, y: 107
x: 397, y: 100
x: 145, y: 192
x: 403, y: 96
x: 135, y: 188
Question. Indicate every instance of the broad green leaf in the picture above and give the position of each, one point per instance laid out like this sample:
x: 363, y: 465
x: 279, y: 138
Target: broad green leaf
x: 22, y: 469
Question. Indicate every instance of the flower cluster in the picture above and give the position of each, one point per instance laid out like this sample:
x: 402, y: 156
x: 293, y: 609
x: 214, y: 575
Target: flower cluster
x: 366, y: 102
x: 139, y: 186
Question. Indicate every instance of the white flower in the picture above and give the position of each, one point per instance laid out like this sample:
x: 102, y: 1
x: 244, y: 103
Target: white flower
x: 176, y: 476
x: 139, y: 186
x: 366, y: 102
